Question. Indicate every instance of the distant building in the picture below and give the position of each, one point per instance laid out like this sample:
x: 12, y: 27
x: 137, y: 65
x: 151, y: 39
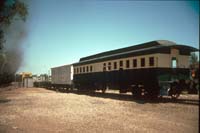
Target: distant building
x: 24, y: 79
x: 28, y: 82
x: 20, y: 76
x: 41, y: 78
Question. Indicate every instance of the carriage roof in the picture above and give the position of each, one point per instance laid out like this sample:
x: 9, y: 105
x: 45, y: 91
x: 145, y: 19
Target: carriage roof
x: 159, y: 46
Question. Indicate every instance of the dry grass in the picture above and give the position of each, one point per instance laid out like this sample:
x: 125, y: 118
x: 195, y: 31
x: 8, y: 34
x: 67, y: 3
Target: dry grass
x: 40, y: 110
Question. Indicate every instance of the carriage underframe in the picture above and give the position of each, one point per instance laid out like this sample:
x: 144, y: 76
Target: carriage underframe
x: 141, y: 82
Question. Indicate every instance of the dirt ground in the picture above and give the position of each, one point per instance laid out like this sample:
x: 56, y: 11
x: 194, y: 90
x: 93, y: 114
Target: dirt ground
x: 40, y: 110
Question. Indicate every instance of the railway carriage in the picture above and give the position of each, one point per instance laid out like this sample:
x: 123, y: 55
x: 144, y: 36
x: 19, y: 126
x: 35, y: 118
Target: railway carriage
x: 62, y: 77
x: 144, y: 69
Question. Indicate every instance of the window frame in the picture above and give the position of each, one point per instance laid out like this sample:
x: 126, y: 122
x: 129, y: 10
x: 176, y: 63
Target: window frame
x: 104, y: 67
x: 109, y: 66
x: 142, y: 62
x: 151, y: 62
x: 80, y: 69
x: 134, y: 63
x: 115, y: 65
x: 77, y: 70
x: 127, y: 63
x: 121, y: 63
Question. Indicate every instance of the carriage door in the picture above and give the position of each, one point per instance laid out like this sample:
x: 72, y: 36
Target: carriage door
x: 174, y: 55
x: 174, y: 62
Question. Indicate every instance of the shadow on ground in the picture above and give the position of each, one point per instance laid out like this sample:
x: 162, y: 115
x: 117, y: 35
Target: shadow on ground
x: 2, y: 100
x: 127, y: 97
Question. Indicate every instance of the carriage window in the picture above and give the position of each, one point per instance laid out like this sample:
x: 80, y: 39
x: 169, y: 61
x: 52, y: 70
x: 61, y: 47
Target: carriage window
x: 174, y: 62
x: 74, y: 70
x: 87, y: 68
x: 121, y: 63
x: 142, y: 62
x: 134, y: 62
x: 127, y: 64
x: 104, y: 66
x: 151, y: 61
x: 115, y: 65
x: 109, y: 65
x: 80, y: 69
x: 77, y: 70
x: 83, y: 69
x: 90, y: 68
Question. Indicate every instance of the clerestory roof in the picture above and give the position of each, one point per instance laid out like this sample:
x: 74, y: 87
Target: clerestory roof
x: 158, y: 46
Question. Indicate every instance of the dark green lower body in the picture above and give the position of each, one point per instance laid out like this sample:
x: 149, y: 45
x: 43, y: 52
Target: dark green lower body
x: 129, y: 80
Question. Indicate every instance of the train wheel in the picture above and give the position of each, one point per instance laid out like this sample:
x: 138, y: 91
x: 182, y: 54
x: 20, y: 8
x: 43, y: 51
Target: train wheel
x: 103, y: 90
x: 152, y: 92
x: 123, y: 90
x: 91, y: 90
x: 175, y: 96
x: 174, y: 91
x: 136, y: 91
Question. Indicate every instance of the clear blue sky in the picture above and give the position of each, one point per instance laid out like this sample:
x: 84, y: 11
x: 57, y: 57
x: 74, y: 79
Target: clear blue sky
x: 62, y: 31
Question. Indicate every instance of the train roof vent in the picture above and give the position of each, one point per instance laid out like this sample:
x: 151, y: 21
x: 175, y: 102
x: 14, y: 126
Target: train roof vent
x: 166, y: 42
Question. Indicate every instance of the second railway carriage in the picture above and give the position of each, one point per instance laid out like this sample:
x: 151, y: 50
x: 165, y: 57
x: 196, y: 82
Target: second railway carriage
x: 62, y: 77
x: 143, y: 69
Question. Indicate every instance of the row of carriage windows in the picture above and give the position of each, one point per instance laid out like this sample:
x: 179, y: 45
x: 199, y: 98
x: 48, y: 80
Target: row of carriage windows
x: 108, y: 66
x: 128, y: 65
x: 83, y: 69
